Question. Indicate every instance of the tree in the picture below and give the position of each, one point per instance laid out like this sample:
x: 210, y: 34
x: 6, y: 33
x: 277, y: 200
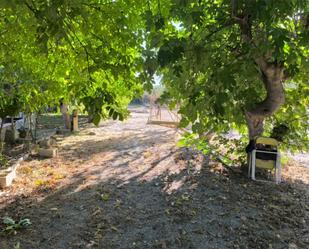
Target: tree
x: 9, y: 106
x: 234, y: 64
x: 82, y: 51
x: 226, y: 62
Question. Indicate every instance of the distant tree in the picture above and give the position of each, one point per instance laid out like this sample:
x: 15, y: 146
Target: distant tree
x: 9, y: 106
x: 86, y: 51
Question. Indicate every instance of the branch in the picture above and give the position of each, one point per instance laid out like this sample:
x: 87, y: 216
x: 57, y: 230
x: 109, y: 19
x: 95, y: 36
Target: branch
x: 268, y: 70
x: 224, y: 25
x: 3, y: 32
x: 97, y: 7
x: 83, y: 46
x: 32, y: 9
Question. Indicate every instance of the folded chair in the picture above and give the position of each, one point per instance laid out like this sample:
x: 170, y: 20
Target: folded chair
x: 265, y: 155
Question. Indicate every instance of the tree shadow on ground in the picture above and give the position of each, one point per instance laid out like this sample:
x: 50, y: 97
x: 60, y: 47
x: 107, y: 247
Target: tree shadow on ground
x: 200, y: 208
x: 125, y: 145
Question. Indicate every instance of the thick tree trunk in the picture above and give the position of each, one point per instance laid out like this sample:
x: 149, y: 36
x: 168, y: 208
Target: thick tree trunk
x: 67, y: 120
x: 272, y: 76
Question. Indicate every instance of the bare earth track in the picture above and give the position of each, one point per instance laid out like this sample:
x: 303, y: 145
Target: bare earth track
x: 126, y: 185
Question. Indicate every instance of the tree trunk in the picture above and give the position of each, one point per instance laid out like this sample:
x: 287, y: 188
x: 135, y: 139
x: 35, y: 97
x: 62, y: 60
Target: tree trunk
x: 1, y: 137
x: 66, y: 116
x: 272, y: 77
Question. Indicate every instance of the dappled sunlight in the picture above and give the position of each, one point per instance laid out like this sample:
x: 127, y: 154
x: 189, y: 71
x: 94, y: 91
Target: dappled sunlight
x: 117, y: 189
x: 112, y: 208
x: 127, y: 124
x: 174, y: 186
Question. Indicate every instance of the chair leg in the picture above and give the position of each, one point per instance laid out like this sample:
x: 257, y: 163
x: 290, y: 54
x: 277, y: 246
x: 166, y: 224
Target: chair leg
x: 278, y: 168
x: 249, y: 164
x: 253, y: 165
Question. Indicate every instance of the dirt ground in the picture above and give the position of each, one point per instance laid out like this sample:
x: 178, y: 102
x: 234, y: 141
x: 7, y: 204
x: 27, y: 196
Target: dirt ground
x: 127, y: 185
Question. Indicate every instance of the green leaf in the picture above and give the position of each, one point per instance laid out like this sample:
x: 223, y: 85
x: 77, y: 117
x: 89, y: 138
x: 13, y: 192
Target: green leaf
x: 96, y: 119
x: 8, y: 221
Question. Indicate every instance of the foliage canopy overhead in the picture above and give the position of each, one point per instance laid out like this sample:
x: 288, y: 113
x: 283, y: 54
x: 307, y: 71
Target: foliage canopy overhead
x: 83, y: 51
x: 236, y: 64
x: 230, y: 64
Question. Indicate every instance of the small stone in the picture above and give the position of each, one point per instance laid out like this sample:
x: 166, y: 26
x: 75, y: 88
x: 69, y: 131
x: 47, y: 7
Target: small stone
x: 243, y: 218
x: 292, y: 246
x: 48, y: 153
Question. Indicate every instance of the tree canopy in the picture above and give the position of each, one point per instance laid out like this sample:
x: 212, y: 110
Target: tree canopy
x: 84, y: 51
x: 230, y: 64
x: 235, y: 64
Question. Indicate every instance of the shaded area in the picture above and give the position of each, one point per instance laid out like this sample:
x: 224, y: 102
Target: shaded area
x: 128, y: 186
x: 48, y: 123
